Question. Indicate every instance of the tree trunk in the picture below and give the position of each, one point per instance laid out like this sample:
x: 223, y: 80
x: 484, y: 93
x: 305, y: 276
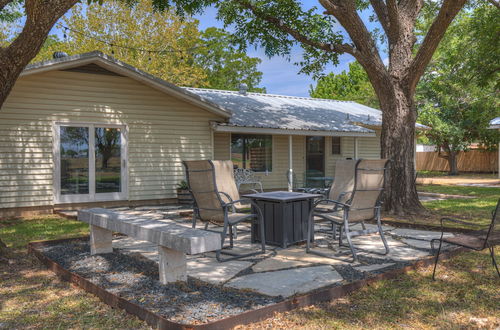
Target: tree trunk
x: 398, y: 145
x: 452, y: 162
x: 40, y: 18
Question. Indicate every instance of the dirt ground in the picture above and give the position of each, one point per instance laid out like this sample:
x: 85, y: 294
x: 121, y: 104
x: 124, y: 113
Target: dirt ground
x: 483, y: 179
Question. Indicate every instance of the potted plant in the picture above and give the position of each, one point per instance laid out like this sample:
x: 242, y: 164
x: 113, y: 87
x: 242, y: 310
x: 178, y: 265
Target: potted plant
x: 183, y: 195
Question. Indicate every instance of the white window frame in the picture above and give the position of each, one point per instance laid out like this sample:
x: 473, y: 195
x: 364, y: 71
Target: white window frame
x: 92, y: 196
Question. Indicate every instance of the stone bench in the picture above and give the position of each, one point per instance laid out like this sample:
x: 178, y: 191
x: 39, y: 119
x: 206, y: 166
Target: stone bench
x: 174, y: 241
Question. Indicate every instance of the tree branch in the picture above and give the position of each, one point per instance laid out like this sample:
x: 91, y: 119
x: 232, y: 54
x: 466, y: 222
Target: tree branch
x: 366, y: 53
x: 380, y: 10
x: 495, y: 3
x: 337, y: 48
x: 449, y: 9
x: 394, y: 24
x: 4, y: 3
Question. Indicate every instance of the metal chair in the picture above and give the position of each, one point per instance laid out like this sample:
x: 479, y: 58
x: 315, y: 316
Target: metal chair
x: 206, y: 180
x: 341, y: 189
x: 364, y: 204
x: 247, y: 177
x: 477, y: 240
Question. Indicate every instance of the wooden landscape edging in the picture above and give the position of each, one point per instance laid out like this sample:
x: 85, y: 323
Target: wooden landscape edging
x: 160, y: 322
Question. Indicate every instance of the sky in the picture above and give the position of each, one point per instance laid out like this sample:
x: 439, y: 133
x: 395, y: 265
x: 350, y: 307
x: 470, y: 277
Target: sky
x: 280, y: 76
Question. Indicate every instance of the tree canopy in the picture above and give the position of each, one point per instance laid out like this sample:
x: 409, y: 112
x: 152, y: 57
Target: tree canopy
x: 160, y: 43
x: 456, y: 96
x: 352, y: 85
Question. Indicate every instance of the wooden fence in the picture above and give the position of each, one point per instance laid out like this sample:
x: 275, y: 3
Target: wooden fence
x: 469, y: 161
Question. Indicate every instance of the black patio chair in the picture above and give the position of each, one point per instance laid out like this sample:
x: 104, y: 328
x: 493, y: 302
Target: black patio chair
x: 477, y: 240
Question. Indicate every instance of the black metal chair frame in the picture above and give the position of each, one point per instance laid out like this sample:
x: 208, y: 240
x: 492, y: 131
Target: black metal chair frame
x: 486, y: 244
x: 346, y: 207
x: 228, y: 226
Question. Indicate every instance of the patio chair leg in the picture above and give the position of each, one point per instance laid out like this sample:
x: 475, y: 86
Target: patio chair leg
x: 334, y: 231
x: 340, y: 235
x: 223, y: 238
x: 348, y: 236
x: 437, y: 257
x: 231, y: 243
x: 363, y: 225
x: 381, y: 232
x: 492, y: 251
x: 194, y: 219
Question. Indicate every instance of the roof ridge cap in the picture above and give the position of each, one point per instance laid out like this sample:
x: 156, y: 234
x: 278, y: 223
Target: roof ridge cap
x: 268, y: 95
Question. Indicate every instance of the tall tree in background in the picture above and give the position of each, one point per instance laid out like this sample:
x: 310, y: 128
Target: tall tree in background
x: 280, y: 24
x: 352, y: 85
x: 188, y: 58
x: 18, y: 50
x: 225, y: 64
x: 456, y: 96
x: 137, y: 27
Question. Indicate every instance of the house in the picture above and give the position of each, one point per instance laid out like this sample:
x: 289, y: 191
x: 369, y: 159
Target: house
x: 88, y: 129
x: 495, y: 124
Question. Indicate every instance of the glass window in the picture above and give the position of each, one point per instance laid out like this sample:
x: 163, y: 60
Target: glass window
x: 107, y: 160
x: 253, y: 152
x: 74, y: 146
x: 336, y: 145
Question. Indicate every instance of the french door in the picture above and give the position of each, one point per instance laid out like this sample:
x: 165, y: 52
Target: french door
x: 90, y: 162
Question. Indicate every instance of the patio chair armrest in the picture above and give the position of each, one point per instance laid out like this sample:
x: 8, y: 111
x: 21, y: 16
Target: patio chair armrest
x: 344, y: 205
x: 245, y: 200
x: 227, y: 195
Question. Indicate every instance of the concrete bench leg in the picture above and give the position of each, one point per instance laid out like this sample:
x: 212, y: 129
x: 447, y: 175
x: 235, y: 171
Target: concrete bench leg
x: 173, y: 265
x: 100, y: 240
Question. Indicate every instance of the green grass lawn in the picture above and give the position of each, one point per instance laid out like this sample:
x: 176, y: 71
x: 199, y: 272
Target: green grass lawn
x: 465, y: 294
x: 477, y: 209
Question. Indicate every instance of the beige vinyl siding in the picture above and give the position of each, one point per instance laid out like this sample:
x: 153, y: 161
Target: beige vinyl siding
x: 369, y: 148
x: 162, y: 131
x: 222, y: 145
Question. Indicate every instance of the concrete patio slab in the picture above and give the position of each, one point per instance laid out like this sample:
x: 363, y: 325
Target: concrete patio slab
x: 288, y: 271
x: 299, y: 254
x: 421, y: 244
x: 212, y: 271
x: 276, y: 263
x: 418, y: 234
x: 287, y: 283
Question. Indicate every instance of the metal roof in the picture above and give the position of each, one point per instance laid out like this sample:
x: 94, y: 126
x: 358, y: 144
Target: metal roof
x: 495, y: 123
x: 291, y: 112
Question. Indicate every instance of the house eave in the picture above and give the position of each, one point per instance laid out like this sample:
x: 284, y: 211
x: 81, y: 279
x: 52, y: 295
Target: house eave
x: 281, y: 131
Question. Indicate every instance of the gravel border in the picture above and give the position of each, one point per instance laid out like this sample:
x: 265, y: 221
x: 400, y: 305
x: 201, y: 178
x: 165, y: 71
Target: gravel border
x: 135, y: 278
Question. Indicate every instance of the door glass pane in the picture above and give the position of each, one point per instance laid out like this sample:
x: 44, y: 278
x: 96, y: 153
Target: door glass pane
x: 107, y: 160
x: 74, y: 160
x: 315, y: 161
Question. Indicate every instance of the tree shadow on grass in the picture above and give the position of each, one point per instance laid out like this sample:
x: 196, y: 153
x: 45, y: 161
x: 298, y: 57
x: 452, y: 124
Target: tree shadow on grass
x: 466, y: 290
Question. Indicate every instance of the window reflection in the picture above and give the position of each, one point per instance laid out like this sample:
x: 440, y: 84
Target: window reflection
x: 252, y: 151
x: 74, y: 148
x: 107, y: 160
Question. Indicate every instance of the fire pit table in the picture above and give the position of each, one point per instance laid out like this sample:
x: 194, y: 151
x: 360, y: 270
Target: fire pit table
x: 285, y: 216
